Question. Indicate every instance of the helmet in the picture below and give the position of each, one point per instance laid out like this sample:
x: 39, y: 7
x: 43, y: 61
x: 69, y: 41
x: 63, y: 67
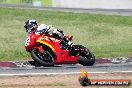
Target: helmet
x: 31, y: 26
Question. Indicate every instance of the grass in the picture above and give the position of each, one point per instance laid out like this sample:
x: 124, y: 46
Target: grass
x: 45, y: 3
x: 105, y: 36
x: 9, y: 1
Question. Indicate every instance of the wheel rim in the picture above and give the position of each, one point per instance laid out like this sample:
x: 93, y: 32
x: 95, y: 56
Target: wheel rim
x: 46, y: 57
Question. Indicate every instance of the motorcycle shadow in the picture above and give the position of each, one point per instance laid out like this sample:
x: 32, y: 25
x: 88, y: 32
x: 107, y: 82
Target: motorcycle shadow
x: 33, y: 63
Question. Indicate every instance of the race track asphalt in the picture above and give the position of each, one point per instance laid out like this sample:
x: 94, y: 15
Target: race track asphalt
x: 25, y: 68
x: 123, y: 12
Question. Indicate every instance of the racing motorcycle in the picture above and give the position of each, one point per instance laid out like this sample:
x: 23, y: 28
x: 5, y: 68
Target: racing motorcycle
x: 47, y: 51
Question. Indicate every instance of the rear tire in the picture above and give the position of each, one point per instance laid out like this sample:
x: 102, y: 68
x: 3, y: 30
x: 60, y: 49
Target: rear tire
x: 86, y: 58
x: 41, y: 59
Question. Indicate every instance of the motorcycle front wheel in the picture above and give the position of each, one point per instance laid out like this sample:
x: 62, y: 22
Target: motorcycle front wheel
x: 44, y: 59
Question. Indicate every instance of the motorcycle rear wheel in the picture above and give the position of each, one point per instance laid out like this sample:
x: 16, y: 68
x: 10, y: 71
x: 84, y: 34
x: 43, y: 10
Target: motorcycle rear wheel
x: 86, y: 58
x: 45, y: 59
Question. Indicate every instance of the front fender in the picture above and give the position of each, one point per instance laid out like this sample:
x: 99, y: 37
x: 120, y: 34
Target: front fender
x: 47, y: 44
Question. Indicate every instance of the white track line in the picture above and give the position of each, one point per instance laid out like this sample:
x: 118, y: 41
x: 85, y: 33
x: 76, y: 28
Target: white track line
x: 70, y: 73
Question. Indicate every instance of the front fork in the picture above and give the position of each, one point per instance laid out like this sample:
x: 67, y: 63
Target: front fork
x: 40, y: 49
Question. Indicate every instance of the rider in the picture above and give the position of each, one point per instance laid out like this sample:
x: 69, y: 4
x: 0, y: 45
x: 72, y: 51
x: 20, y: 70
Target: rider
x: 32, y: 27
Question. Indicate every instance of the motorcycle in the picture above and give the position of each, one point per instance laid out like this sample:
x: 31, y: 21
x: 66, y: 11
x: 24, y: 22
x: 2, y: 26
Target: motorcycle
x: 48, y: 51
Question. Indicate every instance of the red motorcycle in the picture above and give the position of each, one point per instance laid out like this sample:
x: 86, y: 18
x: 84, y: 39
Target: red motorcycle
x: 47, y: 51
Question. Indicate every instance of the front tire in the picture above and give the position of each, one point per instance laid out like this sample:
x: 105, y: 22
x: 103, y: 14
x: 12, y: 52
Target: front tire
x: 86, y: 58
x: 45, y: 59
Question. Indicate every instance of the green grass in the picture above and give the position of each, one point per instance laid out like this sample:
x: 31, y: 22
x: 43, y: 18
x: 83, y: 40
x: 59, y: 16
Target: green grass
x: 106, y: 36
x: 45, y: 3
x: 9, y: 1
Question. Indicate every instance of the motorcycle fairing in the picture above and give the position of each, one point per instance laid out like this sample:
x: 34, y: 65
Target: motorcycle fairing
x: 47, y: 44
x: 31, y: 42
x: 63, y: 56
